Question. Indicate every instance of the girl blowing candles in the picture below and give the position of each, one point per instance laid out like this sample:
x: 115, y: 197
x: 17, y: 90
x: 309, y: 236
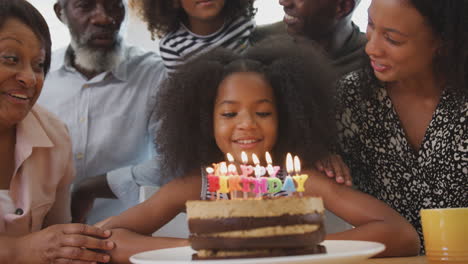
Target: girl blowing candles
x: 274, y: 98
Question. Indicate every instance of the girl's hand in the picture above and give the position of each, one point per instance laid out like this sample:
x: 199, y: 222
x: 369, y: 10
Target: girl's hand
x: 68, y: 243
x: 334, y: 166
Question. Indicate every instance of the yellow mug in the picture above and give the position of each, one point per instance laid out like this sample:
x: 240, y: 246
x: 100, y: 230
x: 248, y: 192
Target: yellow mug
x: 445, y: 235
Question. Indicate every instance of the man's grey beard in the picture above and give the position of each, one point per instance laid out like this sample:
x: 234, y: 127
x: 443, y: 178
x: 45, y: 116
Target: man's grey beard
x: 91, y: 59
x: 96, y: 60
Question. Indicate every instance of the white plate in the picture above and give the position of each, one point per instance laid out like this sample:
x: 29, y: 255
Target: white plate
x: 338, y: 252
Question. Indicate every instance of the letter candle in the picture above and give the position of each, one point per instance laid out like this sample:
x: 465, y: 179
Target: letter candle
x: 273, y: 186
x: 299, y: 178
x: 223, y: 179
x: 233, y: 177
x: 260, y: 184
x: 246, y: 171
x: 213, y: 182
x: 272, y: 170
x: 288, y: 184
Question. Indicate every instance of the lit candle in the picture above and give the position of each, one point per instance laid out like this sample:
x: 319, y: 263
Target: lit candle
x: 246, y: 171
x: 213, y: 182
x: 300, y: 179
x: 272, y: 170
x: 259, y: 170
x: 223, y: 179
x: 288, y: 184
x: 233, y: 177
x: 260, y: 185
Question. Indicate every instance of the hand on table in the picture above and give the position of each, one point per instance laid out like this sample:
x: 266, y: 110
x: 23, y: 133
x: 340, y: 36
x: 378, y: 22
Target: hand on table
x: 128, y: 243
x: 334, y: 167
x: 67, y: 243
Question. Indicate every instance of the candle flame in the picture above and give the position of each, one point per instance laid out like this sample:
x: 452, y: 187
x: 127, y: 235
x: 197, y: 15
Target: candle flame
x: 297, y: 165
x: 289, y: 163
x: 255, y: 159
x: 209, y: 170
x: 268, y: 158
x: 230, y: 157
x: 232, y: 168
x: 244, y: 157
x: 223, y: 168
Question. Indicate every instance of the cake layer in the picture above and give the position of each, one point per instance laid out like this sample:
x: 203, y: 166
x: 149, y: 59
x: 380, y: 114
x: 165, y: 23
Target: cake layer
x: 279, y: 241
x: 254, y: 208
x: 214, y: 225
x: 229, y: 254
x: 268, y: 231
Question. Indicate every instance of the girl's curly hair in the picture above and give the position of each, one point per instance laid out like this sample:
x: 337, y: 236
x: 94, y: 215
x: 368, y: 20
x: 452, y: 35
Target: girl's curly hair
x: 303, y: 85
x: 163, y: 17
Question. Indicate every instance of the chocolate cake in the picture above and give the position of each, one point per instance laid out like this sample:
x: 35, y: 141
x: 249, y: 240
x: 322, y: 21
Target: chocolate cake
x: 256, y: 227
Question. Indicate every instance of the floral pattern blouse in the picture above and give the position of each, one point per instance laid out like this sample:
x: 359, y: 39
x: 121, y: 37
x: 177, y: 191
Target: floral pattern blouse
x: 384, y: 165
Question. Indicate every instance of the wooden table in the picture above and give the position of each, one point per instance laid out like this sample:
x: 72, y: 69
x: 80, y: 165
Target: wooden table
x: 410, y: 260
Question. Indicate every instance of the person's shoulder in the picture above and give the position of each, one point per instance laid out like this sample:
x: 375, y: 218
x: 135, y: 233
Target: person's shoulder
x: 350, y: 86
x: 353, y: 78
x: 138, y: 59
x: 55, y: 129
x: 264, y: 31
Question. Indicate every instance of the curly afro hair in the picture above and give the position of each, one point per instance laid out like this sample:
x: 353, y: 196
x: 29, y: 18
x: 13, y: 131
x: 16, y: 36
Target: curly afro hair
x: 162, y: 16
x: 303, y: 85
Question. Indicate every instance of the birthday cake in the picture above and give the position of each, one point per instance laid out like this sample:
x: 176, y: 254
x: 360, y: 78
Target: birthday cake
x: 247, y: 228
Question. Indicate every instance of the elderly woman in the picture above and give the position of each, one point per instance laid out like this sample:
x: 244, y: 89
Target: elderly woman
x: 35, y: 153
x: 403, y: 122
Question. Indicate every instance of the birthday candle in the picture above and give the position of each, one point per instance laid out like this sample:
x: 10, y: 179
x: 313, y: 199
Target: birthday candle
x: 213, y: 181
x: 272, y: 170
x: 300, y: 179
x: 246, y: 169
x: 259, y: 170
x: 233, y: 177
x: 288, y: 185
x: 223, y: 179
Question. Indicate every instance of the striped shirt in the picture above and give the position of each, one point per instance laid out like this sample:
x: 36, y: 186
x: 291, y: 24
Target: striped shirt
x: 181, y: 44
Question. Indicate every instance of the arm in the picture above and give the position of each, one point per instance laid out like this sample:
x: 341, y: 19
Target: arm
x: 129, y: 243
x: 160, y: 208
x: 373, y: 219
x: 58, y: 243
x: 145, y: 218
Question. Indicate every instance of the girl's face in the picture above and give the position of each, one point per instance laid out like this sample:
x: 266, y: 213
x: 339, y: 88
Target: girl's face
x: 401, y: 45
x: 245, y: 116
x: 202, y: 10
x: 21, y: 71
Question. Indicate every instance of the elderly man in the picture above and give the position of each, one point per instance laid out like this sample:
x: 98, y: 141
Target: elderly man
x: 328, y: 23
x: 104, y: 91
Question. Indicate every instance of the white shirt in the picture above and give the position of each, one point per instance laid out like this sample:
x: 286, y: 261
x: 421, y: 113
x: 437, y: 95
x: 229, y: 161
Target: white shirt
x: 110, y: 119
